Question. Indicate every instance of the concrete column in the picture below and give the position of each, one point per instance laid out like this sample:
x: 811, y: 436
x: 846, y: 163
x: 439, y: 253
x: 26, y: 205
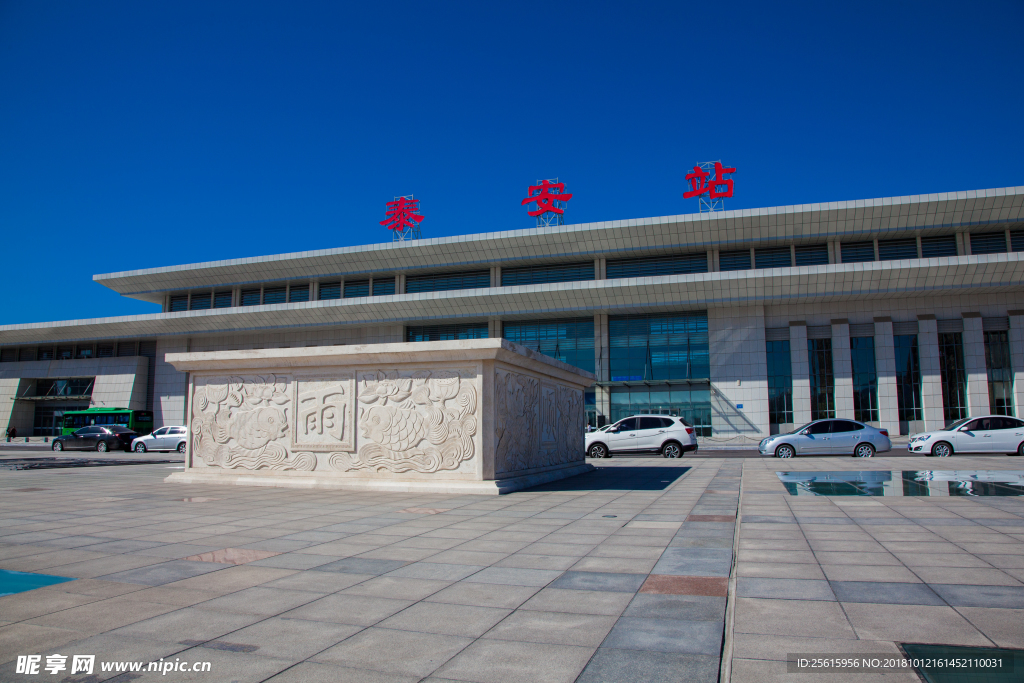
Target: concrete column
x: 842, y: 368
x: 801, y: 372
x: 495, y: 276
x: 400, y: 284
x: 1009, y: 242
x: 966, y: 236
x: 312, y: 291
x: 919, y: 247
x: 494, y: 328
x: 713, y: 261
x: 833, y: 252
x: 931, y: 373
x: 236, y: 296
x: 600, y: 269
x: 974, y: 360
x: 1017, y: 358
x: 792, y: 255
x: 603, y: 401
x: 601, y: 358
x: 961, y: 244
x: 875, y: 242
x: 885, y: 366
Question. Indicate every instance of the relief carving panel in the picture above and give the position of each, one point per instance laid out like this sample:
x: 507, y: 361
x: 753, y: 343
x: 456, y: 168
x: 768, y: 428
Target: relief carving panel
x: 413, y: 421
x: 323, y: 418
x: 239, y: 423
x: 536, y: 424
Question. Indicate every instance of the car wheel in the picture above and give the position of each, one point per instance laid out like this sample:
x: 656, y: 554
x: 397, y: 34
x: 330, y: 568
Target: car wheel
x: 102, y: 447
x: 942, y: 450
x: 140, y: 448
x: 181, y: 447
x: 784, y: 451
x: 598, y: 450
x: 1020, y: 450
x: 58, y: 446
x: 864, y: 450
x: 671, y: 450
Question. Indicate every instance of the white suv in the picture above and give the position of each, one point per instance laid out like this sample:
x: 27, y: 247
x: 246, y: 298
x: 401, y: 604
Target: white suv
x: 670, y: 436
x: 163, y: 439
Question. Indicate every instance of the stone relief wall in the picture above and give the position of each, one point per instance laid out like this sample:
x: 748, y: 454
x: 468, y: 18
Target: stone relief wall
x: 537, y: 424
x: 409, y: 421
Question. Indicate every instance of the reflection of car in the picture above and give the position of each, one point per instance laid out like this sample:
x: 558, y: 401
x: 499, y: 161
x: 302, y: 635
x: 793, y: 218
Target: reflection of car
x: 102, y: 439
x: 163, y: 439
x: 988, y: 434
x: 828, y: 437
x: 663, y: 434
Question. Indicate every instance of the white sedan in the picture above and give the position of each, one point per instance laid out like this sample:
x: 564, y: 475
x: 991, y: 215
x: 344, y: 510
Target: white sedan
x: 163, y: 439
x: 988, y: 434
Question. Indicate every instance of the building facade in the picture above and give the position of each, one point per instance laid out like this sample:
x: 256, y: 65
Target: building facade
x: 905, y: 313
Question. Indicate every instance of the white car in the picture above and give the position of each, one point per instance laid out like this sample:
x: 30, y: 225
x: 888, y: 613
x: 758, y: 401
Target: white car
x: 665, y: 434
x: 163, y: 439
x: 988, y: 434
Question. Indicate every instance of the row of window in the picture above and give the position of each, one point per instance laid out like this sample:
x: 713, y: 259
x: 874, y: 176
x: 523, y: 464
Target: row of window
x: 908, y: 377
x: 73, y: 351
x: 677, y: 264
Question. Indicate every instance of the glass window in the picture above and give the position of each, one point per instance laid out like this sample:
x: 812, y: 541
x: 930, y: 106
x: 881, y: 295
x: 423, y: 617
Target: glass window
x: 84, y: 351
x: 780, y: 382
x: 570, y: 341
x: 274, y: 295
x: 446, y: 332
x: 650, y: 423
x: 330, y: 290
x: 1017, y: 240
x: 894, y: 250
x: 823, y: 383
x: 840, y: 426
x: 201, y: 302
x: 690, y: 403
x: 824, y: 427
x: 534, y: 275
x: 298, y: 293
x: 953, y: 376
x: 104, y: 350
x: 45, y: 353
x: 659, y: 347
x: 857, y: 252
x: 943, y: 245
x: 865, y: 379
x: 357, y: 288
x: 222, y: 299
x: 65, y: 352
x: 627, y: 425
x: 657, y: 265
x: 250, y: 297
x: 812, y: 255
x: 1000, y: 373
x: 384, y: 286
x: 179, y: 302
x: 908, y: 377
x: 988, y: 243
x: 734, y: 260
x: 778, y: 257
x: 441, y: 282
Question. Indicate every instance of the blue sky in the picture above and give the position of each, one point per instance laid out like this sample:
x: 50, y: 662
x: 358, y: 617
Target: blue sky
x: 143, y: 134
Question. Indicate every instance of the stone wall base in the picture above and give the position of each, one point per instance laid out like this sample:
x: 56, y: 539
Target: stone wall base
x: 485, y: 488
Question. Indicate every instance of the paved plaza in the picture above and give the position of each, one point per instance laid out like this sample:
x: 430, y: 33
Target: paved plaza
x: 635, y: 572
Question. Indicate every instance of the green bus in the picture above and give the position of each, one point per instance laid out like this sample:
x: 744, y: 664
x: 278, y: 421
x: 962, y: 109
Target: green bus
x: 139, y: 421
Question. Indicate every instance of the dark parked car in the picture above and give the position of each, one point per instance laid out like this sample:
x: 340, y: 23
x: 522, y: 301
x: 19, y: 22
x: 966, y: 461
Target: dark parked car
x: 102, y: 439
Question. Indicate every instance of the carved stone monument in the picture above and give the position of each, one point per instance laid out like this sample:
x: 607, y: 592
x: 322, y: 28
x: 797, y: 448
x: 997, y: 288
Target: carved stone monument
x: 466, y: 416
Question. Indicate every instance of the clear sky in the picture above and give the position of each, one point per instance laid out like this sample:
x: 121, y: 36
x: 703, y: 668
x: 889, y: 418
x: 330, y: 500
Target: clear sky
x: 142, y: 134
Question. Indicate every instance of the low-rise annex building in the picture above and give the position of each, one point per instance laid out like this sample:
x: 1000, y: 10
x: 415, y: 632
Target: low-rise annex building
x: 905, y: 313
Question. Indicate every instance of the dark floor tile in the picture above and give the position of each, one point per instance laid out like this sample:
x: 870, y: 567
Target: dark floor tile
x: 695, y: 562
x: 959, y: 595
x: 165, y: 572
x: 784, y: 589
x: 701, y: 542
x: 600, y: 581
x: 684, y: 607
x: 767, y: 519
x: 885, y: 593
x: 667, y: 635
x: 361, y: 565
x: 610, y: 665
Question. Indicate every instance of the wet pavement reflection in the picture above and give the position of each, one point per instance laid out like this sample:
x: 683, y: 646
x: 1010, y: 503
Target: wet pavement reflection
x: 905, y: 483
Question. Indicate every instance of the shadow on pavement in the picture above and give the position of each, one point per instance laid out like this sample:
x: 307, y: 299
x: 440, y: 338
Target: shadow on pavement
x: 618, y: 479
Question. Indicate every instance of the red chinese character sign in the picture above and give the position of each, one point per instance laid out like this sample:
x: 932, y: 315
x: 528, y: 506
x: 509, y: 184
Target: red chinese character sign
x: 550, y: 197
x: 709, y: 179
x: 403, y: 218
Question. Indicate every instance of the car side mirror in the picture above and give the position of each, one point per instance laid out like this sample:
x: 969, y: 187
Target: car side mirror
x: 806, y: 432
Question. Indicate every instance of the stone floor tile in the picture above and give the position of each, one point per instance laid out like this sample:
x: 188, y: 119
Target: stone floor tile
x: 600, y: 581
x: 357, y: 565
x: 467, y: 557
x: 318, y: 582
x: 777, y: 556
x: 358, y: 610
x: 293, y: 561
x: 973, y: 576
x: 35, y: 603
x: 164, y: 572
x: 693, y: 562
x: 187, y: 624
x: 232, y: 556
x: 686, y: 585
x: 981, y: 596
x: 791, y: 618
x: 104, y: 615
x: 455, y: 620
x: 1001, y: 626
x: 667, y: 635
x: 390, y: 552
x: 314, y: 672
x: 91, y: 569
x: 510, y: 576
x: 507, y: 661
x: 835, y: 572
x: 684, y: 607
x: 614, y: 564
x: 608, y: 603
x: 885, y: 592
x: 397, y: 587
x: 24, y: 638
x: 484, y: 595
x: 857, y: 559
x: 261, y: 600
x: 549, y: 562
x: 777, y: 570
x: 786, y: 589
x: 560, y: 628
x: 244, y: 667
x: 291, y: 638
x: 763, y: 646
x: 912, y: 623
x: 610, y: 665
x: 390, y: 651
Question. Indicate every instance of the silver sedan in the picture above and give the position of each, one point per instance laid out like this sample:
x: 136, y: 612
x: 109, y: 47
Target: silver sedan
x: 828, y: 437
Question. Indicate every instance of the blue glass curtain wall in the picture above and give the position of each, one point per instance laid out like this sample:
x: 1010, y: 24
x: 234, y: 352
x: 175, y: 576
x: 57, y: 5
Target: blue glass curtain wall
x: 570, y: 340
x: 659, y: 347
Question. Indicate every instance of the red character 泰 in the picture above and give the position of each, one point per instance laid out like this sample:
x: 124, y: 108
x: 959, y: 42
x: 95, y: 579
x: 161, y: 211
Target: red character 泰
x: 401, y: 213
x: 545, y: 198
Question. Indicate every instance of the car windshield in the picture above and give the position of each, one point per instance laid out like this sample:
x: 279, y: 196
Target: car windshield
x: 955, y: 425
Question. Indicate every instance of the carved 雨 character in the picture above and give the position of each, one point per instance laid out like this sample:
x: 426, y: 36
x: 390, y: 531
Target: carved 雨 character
x: 323, y: 411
